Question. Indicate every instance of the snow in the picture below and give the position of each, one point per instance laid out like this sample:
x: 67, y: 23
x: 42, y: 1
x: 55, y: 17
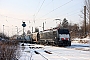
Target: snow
x: 83, y: 40
x: 27, y: 52
x: 87, y: 38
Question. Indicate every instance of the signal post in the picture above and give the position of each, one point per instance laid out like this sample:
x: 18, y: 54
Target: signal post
x: 24, y: 25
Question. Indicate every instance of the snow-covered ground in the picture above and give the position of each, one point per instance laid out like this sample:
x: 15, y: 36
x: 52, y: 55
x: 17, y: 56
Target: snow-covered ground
x: 39, y: 52
x: 80, y: 46
x: 83, y: 40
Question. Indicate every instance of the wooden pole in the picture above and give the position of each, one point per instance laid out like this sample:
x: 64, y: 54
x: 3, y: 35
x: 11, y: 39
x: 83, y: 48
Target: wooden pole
x: 85, y: 21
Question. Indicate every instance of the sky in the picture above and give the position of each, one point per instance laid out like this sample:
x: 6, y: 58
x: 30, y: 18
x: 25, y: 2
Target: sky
x: 35, y: 12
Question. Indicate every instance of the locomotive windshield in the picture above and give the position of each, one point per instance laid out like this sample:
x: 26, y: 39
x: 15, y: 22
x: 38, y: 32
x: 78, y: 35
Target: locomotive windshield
x: 63, y: 31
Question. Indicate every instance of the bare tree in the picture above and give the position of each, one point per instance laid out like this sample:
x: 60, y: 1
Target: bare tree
x: 65, y: 23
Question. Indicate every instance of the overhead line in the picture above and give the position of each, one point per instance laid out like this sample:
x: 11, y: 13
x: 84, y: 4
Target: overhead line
x: 63, y: 14
x: 40, y: 7
x: 48, y: 4
x: 56, y: 8
x: 11, y: 17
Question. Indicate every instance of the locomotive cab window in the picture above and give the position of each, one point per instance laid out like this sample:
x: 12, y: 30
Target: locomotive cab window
x: 63, y: 31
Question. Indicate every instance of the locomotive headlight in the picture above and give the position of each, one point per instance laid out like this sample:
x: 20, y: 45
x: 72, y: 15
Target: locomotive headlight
x: 62, y: 38
x: 66, y: 39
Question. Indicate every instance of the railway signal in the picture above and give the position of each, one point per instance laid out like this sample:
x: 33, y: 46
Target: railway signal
x: 24, y: 25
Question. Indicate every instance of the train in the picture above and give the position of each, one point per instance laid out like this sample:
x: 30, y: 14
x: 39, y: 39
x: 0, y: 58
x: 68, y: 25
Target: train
x: 57, y: 37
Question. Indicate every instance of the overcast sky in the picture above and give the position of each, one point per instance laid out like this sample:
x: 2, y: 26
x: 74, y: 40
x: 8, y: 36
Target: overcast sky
x: 35, y: 12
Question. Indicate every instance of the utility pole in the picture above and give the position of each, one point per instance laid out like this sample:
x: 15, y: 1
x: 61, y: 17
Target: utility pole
x: 89, y: 17
x: 43, y: 26
x: 32, y: 29
x: 3, y: 31
x: 17, y: 31
x: 85, y: 21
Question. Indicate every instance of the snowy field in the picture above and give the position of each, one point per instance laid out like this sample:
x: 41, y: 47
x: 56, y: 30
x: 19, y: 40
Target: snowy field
x: 39, y: 52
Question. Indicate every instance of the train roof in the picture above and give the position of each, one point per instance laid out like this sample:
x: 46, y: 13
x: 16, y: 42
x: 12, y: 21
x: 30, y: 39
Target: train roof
x: 50, y: 30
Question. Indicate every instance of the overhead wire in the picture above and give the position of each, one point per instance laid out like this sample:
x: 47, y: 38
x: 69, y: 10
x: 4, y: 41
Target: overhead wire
x: 57, y: 8
x: 63, y: 14
x: 40, y: 8
x: 13, y: 18
x: 48, y: 4
x: 44, y: 7
x: 23, y: 19
x: 74, y: 12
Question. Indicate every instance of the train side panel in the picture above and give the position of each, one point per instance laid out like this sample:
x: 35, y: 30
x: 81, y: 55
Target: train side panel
x: 47, y: 37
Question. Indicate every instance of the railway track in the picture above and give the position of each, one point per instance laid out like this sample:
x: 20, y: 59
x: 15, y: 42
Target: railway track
x: 33, y: 51
x: 38, y: 52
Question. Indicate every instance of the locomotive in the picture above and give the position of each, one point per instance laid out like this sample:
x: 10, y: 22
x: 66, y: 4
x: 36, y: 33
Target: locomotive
x: 57, y: 37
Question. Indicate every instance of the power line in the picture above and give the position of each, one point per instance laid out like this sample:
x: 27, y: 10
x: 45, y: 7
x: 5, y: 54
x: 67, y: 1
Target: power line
x: 48, y: 4
x: 11, y: 17
x: 63, y: 14
x: 66, y: 13
x: 40, y: 7
x: 56, y: 8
